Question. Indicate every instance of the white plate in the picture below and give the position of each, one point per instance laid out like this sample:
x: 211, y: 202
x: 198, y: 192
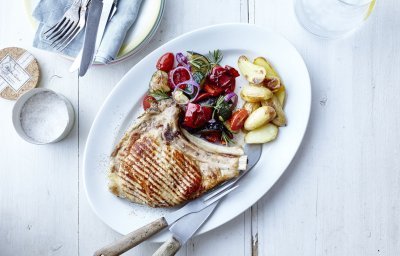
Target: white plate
x: 124, y: 104
x: 138, y: 35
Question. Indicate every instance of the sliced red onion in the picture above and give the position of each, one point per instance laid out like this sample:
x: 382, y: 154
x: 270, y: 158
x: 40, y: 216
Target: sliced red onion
x: 182, y: 60
x: 194, y: 89
x: 172, y: 73
x: 232, y: 97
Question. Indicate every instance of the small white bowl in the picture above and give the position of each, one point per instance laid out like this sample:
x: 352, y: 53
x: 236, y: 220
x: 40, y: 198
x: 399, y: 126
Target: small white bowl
x: 16, y: 116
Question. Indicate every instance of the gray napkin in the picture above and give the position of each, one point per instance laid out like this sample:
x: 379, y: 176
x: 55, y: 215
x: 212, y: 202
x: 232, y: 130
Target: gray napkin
x: 49, y: 12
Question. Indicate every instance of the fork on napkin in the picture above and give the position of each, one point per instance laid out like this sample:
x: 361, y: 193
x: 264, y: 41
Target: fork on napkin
x: 49, y: 12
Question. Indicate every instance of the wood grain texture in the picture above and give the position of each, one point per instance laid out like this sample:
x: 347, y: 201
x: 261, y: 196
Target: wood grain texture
x: 134, y: 238
x: 168, y: 248
x: 339, y: 196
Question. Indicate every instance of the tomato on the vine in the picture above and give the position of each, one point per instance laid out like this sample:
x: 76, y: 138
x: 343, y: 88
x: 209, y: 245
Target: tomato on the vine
x: 166, y: 62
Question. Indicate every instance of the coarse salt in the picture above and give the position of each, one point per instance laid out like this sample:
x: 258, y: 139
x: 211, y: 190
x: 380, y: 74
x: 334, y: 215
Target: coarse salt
x: 44, y: 117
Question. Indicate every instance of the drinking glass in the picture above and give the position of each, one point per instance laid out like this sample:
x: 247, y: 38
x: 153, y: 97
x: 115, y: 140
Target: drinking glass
x: 332, y: 18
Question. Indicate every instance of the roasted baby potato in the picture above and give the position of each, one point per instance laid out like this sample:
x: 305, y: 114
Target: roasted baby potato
x: 255, y: 93
x: 263, y: 134
x: 280, y: 119
x: 281, y: 95
x: 259, y: 117
x: 263, y: 62
x: 272, y: 80
x: 253, y: 73
x: 159, y: 81
x: 251, y: 106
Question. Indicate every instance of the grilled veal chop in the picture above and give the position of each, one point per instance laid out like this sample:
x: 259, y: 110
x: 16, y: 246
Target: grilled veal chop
x: 155, y: 164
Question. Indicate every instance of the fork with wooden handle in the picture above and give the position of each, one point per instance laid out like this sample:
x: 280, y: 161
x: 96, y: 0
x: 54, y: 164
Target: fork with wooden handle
x: 136, y: 237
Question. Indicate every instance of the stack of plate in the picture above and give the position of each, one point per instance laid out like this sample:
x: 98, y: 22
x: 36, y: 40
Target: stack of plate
x: 141, y: 32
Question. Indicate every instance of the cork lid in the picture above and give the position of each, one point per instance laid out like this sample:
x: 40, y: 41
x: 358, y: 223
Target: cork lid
x: 19, y: 72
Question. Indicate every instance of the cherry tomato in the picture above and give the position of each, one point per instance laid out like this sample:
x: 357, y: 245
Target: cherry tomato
x: 166, y: 62
x: 213, y: 90
x: 180, y: 75
x: 213, y: 137
x: 232, y: 71
x: 196, y: 115
x: 147, y: 101
x: 237, y: 119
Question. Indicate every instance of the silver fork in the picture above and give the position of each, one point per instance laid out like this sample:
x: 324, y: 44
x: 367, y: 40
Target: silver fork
x: 66, y: 24
x: 81, y: 24
x: 134, y: 238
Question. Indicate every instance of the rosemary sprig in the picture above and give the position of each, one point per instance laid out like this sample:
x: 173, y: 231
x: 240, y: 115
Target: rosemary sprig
x: 225, y: 137
x: 159, y: 95
x: 218, y: 105
x: 215, y: 57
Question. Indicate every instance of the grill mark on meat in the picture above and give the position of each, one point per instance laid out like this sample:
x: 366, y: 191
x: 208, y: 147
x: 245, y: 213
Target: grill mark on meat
x: 167, y: 159
x: 178, y: 197
x: 190, y: 178
x: 146, y: 173
x: 174, y: 162
x: 157, y: 166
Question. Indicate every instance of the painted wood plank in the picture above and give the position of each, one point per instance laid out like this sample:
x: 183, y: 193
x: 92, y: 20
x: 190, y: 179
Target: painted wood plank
x: 38, y: 185
x: 338, y: 195
x: 180, y: 17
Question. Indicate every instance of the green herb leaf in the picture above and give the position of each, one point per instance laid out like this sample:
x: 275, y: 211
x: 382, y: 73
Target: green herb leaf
x: 159, y: 95
x: 215, y: 57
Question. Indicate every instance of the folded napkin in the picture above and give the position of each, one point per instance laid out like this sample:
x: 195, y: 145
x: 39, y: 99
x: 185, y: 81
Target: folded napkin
x: 49, y: 12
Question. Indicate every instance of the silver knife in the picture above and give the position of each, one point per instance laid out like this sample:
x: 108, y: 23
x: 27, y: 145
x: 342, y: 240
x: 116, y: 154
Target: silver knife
x: 99, y: 12
x: 134, y: 238
x: 183, y: 230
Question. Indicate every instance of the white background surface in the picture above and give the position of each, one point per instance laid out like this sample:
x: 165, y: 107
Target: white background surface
x: 340, y: 195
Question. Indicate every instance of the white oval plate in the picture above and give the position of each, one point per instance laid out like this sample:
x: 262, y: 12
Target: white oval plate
x: 124, y: 104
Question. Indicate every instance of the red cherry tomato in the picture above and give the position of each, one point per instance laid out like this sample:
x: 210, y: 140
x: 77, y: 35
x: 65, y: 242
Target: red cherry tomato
x: 213, y: 90
x: 180, y: 75
x: 147, y: 101
x: 196, y: 115
x: 166, y: 62
x: 237, y: 119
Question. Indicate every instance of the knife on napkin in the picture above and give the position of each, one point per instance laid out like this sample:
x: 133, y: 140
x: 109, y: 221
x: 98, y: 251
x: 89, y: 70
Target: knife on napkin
x: 98, y: 15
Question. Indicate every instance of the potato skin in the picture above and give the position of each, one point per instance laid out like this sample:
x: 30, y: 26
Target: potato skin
x: 251, y: 106
x: 252, y: 72
x: 259, y: 117
x: 262, y: 134
x: 255, y: 93
x: 280, y: 119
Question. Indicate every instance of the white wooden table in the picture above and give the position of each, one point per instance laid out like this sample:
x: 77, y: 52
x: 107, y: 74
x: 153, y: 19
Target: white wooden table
x: 340, y: 196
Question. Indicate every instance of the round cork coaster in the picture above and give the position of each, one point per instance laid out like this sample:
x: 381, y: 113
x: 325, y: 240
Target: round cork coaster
x: 19, y: 72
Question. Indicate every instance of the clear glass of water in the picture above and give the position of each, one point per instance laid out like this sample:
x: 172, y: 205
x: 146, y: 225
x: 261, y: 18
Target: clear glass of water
x: 332, y: 18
